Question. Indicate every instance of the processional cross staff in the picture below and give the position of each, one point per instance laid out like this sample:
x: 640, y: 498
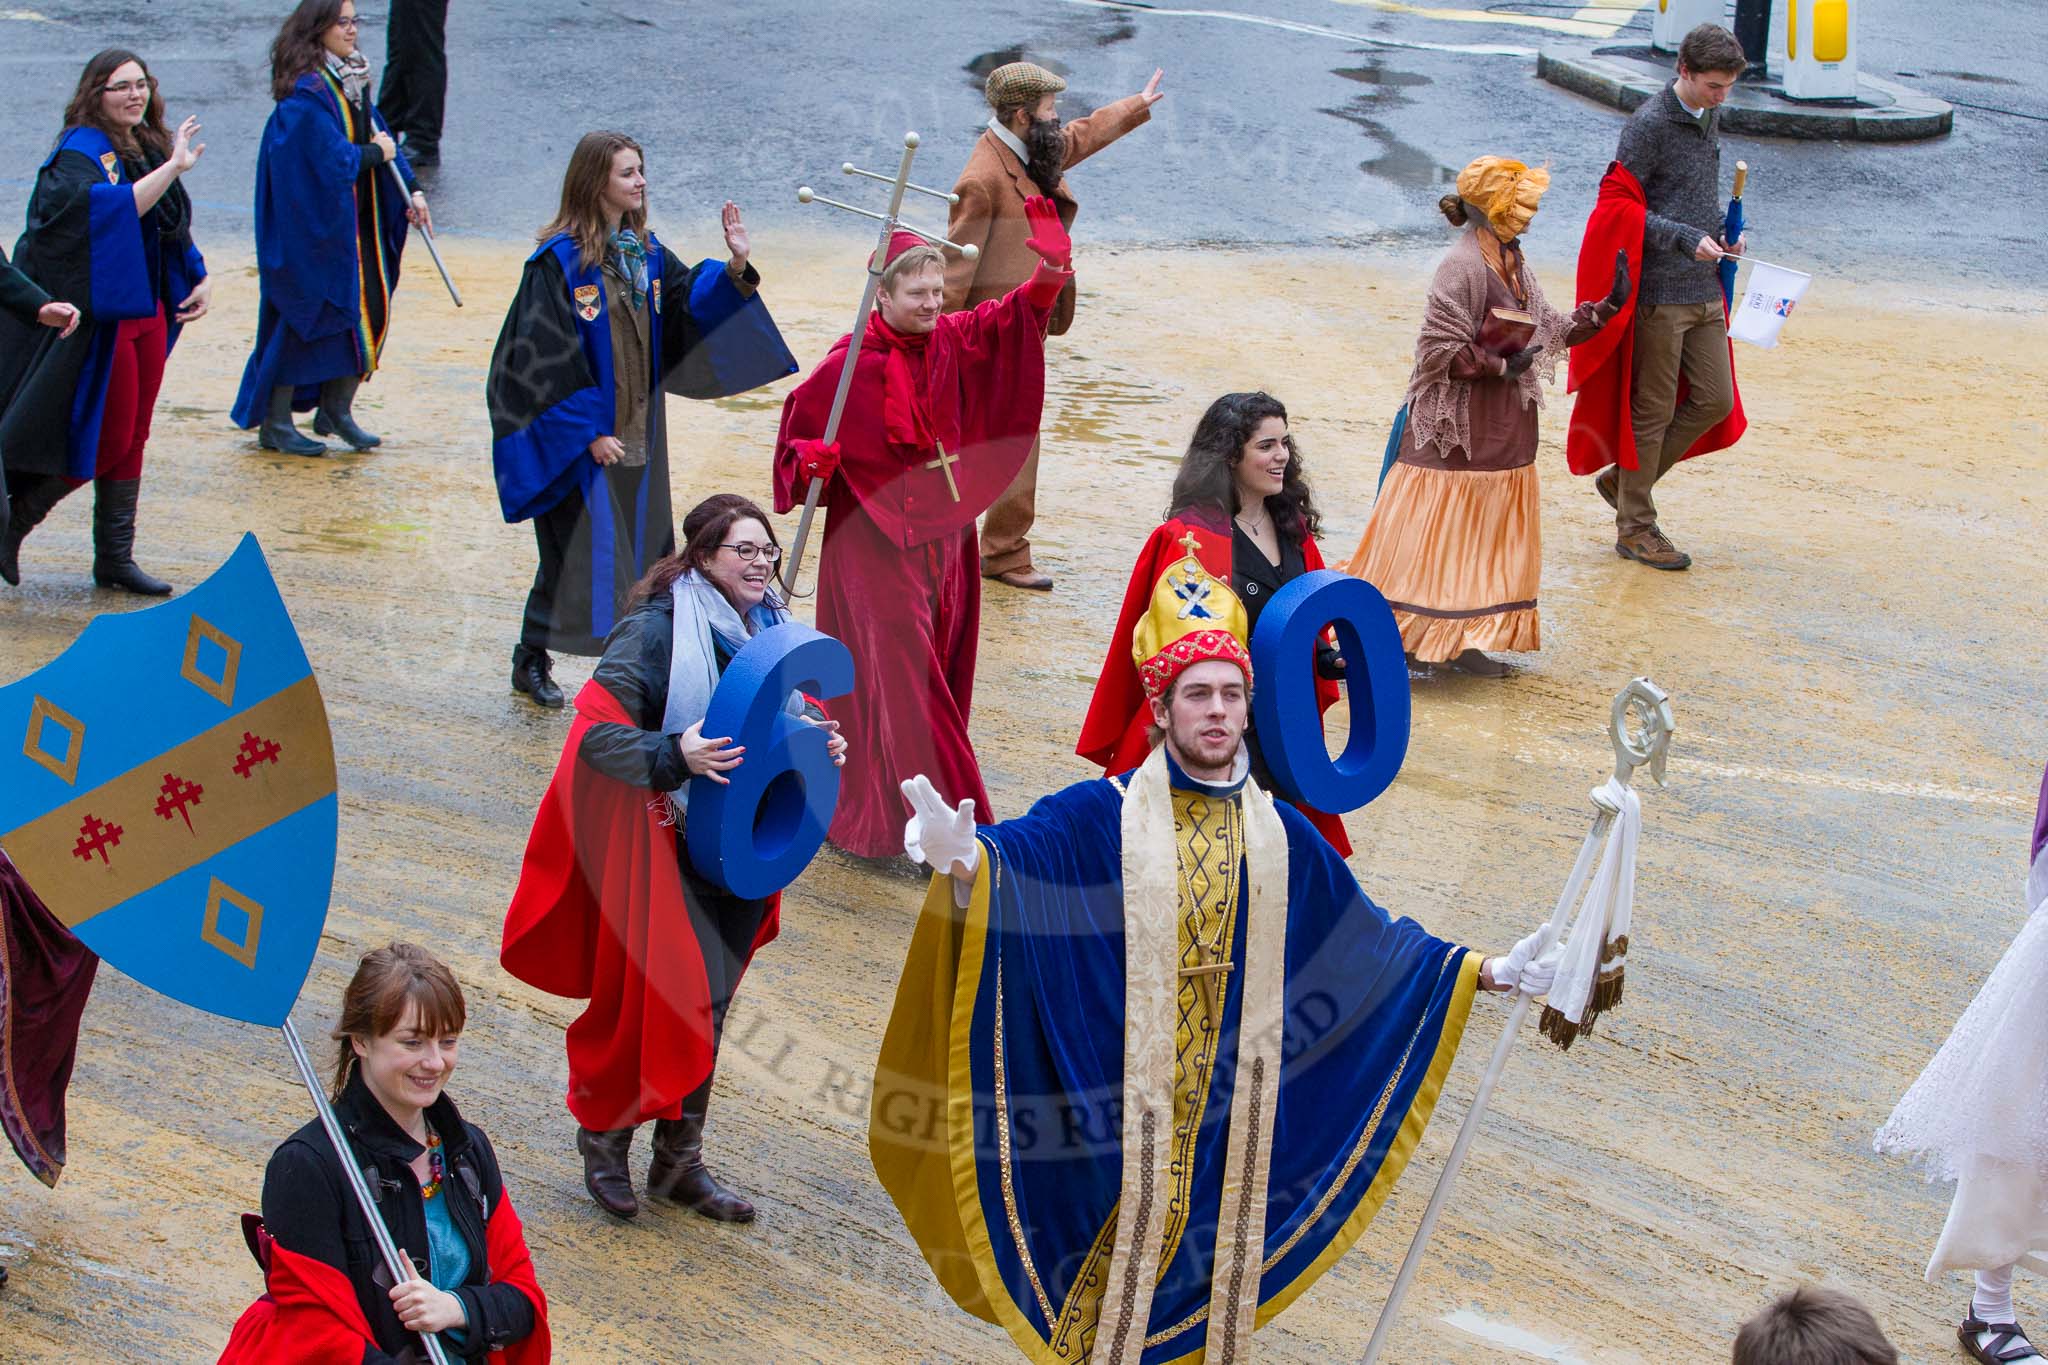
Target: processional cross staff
x: 898, y: 184
x: 1646, y: 741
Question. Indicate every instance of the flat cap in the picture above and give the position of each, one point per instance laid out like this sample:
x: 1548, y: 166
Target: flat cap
x: 1020, y: 83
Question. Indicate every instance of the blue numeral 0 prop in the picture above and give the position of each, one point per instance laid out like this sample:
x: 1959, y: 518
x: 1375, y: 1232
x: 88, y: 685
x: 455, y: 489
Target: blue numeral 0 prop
x: 757, y: 833
x: 1284, y: 691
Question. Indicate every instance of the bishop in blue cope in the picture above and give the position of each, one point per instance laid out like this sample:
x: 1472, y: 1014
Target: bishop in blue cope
x: 1155, y: 1060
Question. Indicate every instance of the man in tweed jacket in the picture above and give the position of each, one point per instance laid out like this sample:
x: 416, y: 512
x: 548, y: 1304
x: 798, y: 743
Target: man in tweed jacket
x: 1024, y: 151
x: 1672, y: 146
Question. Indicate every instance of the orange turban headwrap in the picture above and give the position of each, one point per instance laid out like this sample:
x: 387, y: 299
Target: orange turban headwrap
x: 1506, y: 190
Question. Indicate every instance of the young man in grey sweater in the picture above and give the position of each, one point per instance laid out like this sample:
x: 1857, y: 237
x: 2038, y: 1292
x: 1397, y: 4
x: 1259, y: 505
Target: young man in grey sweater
x: 1672, y: 145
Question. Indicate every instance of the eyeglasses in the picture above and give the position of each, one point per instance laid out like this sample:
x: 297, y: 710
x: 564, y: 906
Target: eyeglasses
x: 350, y: 24
x: 126, y: 87
x: 747, y: 549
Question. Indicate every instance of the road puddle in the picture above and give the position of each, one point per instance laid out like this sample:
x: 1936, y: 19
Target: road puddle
x: 1513, y: 1337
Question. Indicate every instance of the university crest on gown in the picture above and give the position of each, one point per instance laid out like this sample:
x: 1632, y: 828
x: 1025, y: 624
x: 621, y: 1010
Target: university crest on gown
x: 587, y: 302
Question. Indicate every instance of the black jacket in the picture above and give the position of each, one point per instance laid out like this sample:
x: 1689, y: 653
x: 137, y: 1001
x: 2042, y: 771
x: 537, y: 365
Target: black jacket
x: 308, y: 1208
x: 634, y: 669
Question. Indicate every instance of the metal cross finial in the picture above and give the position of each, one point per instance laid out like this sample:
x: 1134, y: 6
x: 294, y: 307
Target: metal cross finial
x: 899, y: 184
x: 1648, y: 739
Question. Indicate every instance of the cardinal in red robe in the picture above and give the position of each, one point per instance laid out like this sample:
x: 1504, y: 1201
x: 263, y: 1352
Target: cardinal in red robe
x: 942, y: 411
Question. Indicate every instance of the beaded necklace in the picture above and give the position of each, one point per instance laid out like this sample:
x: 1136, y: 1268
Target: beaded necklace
x: 435, y: 1166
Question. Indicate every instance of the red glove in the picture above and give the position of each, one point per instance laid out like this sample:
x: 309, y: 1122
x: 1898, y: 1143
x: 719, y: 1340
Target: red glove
x: 1048, y: 234
x: 816, y: 459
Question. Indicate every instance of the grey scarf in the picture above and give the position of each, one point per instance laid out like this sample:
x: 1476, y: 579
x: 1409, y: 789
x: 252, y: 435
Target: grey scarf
x: 702, y: 613
x: 353, y: 71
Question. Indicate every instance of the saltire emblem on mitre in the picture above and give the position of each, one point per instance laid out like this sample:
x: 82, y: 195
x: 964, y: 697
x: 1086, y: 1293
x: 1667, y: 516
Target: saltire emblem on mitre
x: 1194, y: 617
x: 167, y: 787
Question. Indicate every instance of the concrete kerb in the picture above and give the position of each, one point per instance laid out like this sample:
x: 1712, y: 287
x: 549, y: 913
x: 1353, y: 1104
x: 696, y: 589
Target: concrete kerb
x: 1623, y: 77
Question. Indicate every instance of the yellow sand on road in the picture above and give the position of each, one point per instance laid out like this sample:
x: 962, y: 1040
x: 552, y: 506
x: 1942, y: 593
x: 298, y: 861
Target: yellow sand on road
x: 1859, y: 677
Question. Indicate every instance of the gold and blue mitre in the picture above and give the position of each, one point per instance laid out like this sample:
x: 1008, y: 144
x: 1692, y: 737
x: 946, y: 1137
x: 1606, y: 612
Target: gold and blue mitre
x: 1194, y: 617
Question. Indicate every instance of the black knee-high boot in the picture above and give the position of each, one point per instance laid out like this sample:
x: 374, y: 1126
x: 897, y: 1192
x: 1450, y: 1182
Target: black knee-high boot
x: 113, y: 539
x: 336, y: 414
x: 32, y: 500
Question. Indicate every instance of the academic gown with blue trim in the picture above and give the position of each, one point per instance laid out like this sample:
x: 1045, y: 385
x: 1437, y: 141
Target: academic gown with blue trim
x: 552, y: 392
x: 1005, y: 1160
x: 330, y: 228
x: 85, y: 245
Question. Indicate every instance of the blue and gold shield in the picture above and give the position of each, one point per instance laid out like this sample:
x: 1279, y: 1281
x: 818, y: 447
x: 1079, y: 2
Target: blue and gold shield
x: 167, y: 787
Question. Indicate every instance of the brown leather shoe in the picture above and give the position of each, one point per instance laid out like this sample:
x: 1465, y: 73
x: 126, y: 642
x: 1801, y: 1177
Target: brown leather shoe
x: 1608, y: 484
x: 1650, y: 547
x: 605, y: 1173
x: 1031, y: 580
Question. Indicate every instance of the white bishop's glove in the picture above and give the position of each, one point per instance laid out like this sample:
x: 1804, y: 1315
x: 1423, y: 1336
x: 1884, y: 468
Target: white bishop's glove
x: 1525, y: 970
x: 938, y: 834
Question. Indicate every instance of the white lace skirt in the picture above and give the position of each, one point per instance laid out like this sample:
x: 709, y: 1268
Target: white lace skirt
x: 1978, y: 1115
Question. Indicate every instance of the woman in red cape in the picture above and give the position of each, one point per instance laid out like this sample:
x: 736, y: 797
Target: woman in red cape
x: 609, y: 908
x: 328, y: 1298
x: 1242, y: 496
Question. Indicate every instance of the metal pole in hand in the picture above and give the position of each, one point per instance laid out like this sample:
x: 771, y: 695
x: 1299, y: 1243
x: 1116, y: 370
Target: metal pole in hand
x: 401, y: 1269
x: 899, y: 183
x: 425, y: 235
x: 1630, y: 752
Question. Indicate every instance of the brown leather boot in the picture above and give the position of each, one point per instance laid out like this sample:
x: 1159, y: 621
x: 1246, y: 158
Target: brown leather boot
x: 678, y: 1173
x: 1608, y: 484
x: 605, y: 1171
x: 1650, y: 547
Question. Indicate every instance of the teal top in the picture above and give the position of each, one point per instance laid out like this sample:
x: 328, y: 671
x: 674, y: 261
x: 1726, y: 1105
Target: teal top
x: 447, y: 1253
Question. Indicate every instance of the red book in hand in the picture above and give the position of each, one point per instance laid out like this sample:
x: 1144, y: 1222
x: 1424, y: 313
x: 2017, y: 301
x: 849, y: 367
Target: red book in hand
x: 1506, y: 330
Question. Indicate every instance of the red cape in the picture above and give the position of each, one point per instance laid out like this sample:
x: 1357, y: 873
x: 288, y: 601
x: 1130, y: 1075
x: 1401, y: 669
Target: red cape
x: 1113, y: 734
x: 600, y: 916
x: 1601, y: 369
x: 308, y: 1314
x: 984, y: 381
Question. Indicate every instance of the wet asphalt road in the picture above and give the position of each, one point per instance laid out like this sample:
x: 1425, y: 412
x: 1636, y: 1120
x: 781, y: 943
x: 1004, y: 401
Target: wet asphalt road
x: 1269, y: 134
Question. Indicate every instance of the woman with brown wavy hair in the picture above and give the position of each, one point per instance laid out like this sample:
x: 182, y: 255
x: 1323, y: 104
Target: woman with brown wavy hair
x: 609, y: 907
x: 1241, y: 504
x: 330, y: 228
x: 110, y: 232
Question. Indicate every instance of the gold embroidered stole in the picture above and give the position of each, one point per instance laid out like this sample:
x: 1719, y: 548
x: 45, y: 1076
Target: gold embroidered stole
x: 1179, y: 918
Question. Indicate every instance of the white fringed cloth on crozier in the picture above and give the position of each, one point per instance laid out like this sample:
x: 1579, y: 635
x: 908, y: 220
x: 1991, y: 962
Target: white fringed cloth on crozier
x: 1440, y: 407
x: 1978, y: 1115
x: 1592, y: 957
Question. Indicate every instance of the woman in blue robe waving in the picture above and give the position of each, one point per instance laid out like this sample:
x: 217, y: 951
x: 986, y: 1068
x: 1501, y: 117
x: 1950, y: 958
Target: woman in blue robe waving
x: 606, y: 320
x: 330, y: 226
x: 109, y: 231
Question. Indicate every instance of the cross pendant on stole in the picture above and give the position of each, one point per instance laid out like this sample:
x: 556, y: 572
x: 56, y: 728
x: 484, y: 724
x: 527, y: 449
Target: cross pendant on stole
x: 1209, y: 973
x: 944, y: 464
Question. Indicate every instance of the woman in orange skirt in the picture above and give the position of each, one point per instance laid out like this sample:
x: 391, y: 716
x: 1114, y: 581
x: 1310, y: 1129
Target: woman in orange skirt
x: 1455, y: 542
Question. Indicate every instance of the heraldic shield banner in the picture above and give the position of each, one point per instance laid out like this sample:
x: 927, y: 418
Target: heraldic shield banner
x: 167, y: 788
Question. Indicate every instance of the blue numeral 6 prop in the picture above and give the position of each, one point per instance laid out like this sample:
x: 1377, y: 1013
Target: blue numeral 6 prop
x: 756, y: 834
x: 1284, y: 691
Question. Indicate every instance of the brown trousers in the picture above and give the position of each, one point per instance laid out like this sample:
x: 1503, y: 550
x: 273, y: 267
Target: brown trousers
x: 1006, y: 526
x: 1671, y: 339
